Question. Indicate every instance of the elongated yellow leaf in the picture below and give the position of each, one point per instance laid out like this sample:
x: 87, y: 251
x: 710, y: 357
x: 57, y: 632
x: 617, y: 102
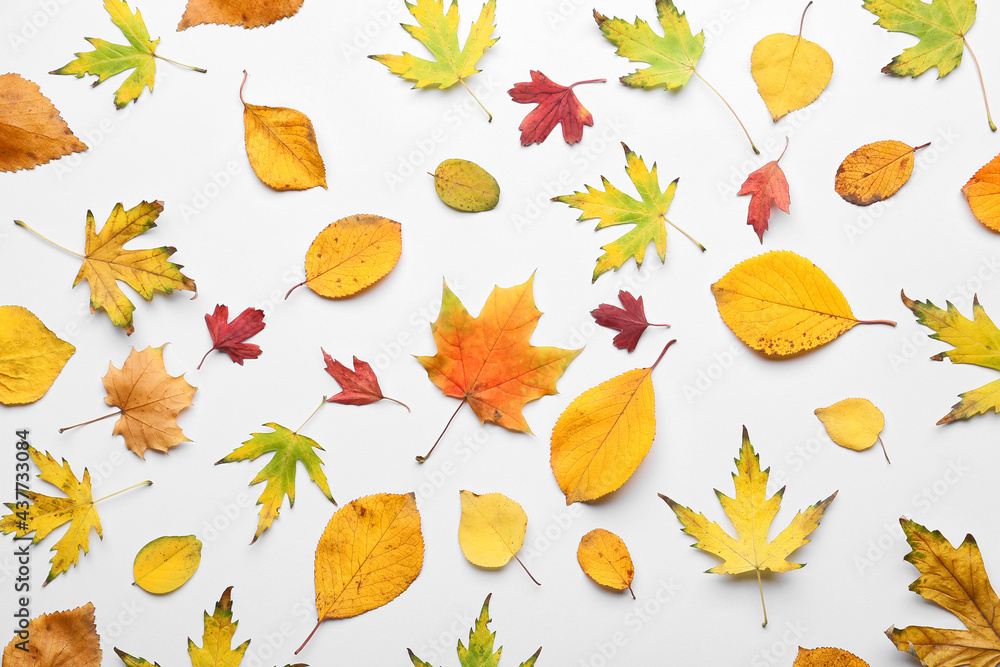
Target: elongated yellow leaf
x: 854, y: 423
x: 780, y: 303
x: 166, y: 563
x: 605, y: 559
x: 31, y: 356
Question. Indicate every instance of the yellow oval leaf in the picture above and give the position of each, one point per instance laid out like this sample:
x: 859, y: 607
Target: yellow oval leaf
x: 166, y: 563
x: 491, y: 530
x: 605, y: 559
x: 31, y: 356
x: 854, y: 423
x: 983, y: 194
x: 351, y: 254
x: 827, y: 657
x: 780, y: 303
x: 875, y: 172
x: 790, y: 71
x: 465, y: 186
x: 281, y: 145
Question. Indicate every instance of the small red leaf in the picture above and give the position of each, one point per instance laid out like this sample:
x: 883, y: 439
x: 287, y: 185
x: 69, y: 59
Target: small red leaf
x: 630, y: 320
x: 766, y: 186
x: 556, y: 104
x: 229, y: 336
x: 358, y: 387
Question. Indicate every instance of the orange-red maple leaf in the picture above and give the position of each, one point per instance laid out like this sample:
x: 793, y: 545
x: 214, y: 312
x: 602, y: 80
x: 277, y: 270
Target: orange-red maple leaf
x: 230, y: 336
x: 556, y: 104
x: 766, y: 186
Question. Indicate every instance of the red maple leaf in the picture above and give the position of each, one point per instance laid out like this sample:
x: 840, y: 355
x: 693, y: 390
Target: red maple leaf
x: 556, y: 104
x: 358, y: 387
x: 229, y: 336
x: 766, y: 186
x: 630, y: 320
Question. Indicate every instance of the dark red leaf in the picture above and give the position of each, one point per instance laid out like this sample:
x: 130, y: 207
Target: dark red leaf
x: 766, y: 186
x: 630, y: 320
x: 556, y: 104
x: 229, y: 336
x: 358, y: 387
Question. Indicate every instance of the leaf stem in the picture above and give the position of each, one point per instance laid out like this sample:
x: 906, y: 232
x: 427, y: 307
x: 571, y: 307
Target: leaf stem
x: 762, y: 605
x: 113, y: 414
x: 204, y: 358
x: 889, y: 322
x: 421, y: 459
x: 461, y: 81
x: 803, y: 21
x: 580, y: 83
x: 293, y: 288
x: 394, y: 400
x: 786, y: 143
x: 45, y: 238
x: 196, y: 69
x: 693, y: 239
x: 884, y: 453
x: 712, y: 88
x: 632, y: 592
x: 526, y: 570
x: 146, y: 483
x: 309, y: 637
x: 244, y: 104
x: 982, y: 84
x: 665, y: 348
x: 321, y: 403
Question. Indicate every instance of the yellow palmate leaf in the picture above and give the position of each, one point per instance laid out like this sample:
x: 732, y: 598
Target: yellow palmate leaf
x: 351, y: 254
x: 790, y: 71
x: 875, y: 172
x: 780, y: 303
x: 751, y: 513
x: 491, y: 530
x: 60, y: 639
x: 604, y: 434
x: 983, y: 194
x: 31, y: 356
x: 166, y: 563
x: 281, y: 146
x: 370, y: 552
x: 605, y: 559
x: 854, y: 423
x: 217, y: 642
x: 827, y: 657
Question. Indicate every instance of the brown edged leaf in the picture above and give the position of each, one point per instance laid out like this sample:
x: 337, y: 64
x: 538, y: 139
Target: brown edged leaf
x: 31, y: 130
x: 60, y: 639
x: 247, y: 13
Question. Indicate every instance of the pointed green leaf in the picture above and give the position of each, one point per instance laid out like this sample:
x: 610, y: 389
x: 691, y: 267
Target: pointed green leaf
x: 941, y: 26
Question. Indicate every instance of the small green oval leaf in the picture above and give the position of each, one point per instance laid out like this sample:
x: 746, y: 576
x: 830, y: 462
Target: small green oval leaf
x: 465, y: 186
x: 166, y: 563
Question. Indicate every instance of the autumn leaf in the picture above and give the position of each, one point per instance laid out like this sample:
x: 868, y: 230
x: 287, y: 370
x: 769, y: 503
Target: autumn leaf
x: 614, y: 207
x: 827, y: 657
x: 556, y: 105
x: 766, y: 186
x: 229, y: 336
x: 59, y: 639
x: 671, y: 58
x: 791, y: 72
x: 438, y: 31
x: 954, y: 579
x: 751, y: 513
x: 31, y: 356
x: 630, y: 320
x: 42, y: 514
x: 854, y: 423
x: 480, y: 651
x: 465, y: 186
x: 370, y: 552
x: 357, y: 387
x: 108, y: 59
x: 351, y: 254
x: 147, y: 271
x: 875, y: 172
x: 166, y: 563
x: 941, y: 26
x: 983, y: 194
x: 488, y: 361
x: 491, y: 530
x: 31, y: 130
x: 604, y: 434
x: 605, y: 559
x: 217, y: 643
x: 780, y: 303
x: 246, y: 13
x: 975, y: 341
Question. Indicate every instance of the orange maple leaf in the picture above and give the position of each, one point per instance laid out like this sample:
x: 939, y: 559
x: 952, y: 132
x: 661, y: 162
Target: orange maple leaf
x: 488, y: 361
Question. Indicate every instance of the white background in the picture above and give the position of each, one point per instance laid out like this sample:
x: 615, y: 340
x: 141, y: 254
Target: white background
x: 244, y: 244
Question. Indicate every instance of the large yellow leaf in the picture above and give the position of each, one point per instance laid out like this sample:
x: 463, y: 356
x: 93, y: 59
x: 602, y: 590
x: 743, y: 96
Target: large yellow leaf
x: 31, y: 356
x: 983, y: 194
x: 875, y: 171
x: 605, y: 559
x: 854, y: 423
x: 31, y: 130
x: 60, y: 639
x: 827, y: 657
x: 491, y: 530
x: 370, y: 552
x: 166, y: 563
x: 780, y: 303
x: 604, y: 434
x: 751, y: 513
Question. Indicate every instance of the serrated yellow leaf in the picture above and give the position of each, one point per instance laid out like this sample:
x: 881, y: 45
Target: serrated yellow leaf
x: 983, y: 194
x: 31, y: 356
x: 465, y: 186
x: 854, y: 423
x: 217, y: 642
x: 491, y: 530
x: 166, y: 563
x: 780, y: 303
x: 31, y: 130
x: 874, y: 172
x: 827, y: 657
x: 605, y: 559
x: 59, y: 639
x: 246, y: 13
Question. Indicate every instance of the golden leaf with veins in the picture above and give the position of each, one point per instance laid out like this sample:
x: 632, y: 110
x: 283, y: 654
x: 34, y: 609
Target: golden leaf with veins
x: 60, y: 639
x: 31, y: 130
x: 246, y: 13
x: 827, y: 657
x: 982, y: 191
x: 491, y: 530
x: 31, y: 356
x: 605, y: 559
x: 875, y: 172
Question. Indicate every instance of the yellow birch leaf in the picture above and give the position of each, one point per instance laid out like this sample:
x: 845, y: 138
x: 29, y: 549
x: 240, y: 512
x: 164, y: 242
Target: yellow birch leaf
x: 351, y: 254
x: 605, y: 559
x: 983, y: 194
x: 166, y: 563
x: 491, y: 530
x: 790, y: 72
x: 854, y: 423
x: 604, y: 434
x: 780, y: 303
x: 827, y: 657
x: 370, y: 552
x: 31, y: 356
x: 875, y: 172
x: 281, y: 146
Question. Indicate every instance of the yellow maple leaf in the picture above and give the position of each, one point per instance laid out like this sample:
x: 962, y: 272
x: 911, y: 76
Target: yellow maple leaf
x: 217, y: 642
x: 491, y: 530
x: 751, y: 513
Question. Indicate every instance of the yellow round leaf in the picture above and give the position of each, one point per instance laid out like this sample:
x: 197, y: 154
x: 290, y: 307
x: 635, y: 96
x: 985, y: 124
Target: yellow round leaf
x: 854, y: 423
x: 465, y: 186
x: 491, y: 530
x: 875, y: 172
x: 31, y: 356
x: 983, y: 194
x: 605, y: 559
x: 827, y: 657
x: 166, y: 563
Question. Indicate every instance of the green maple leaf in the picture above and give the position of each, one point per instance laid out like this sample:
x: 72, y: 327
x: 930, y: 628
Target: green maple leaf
x: 108, y: 59
x: 614, y: 207
x: 480, y: 651
x: 289, y: 448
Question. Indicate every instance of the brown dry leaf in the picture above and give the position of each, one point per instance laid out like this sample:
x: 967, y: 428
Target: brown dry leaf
x: 827, y: 657
x: 247, y: 13
x: 875, y: 171
x: 60, y: 639
x: 983, y: 194
x: 31, y: 130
